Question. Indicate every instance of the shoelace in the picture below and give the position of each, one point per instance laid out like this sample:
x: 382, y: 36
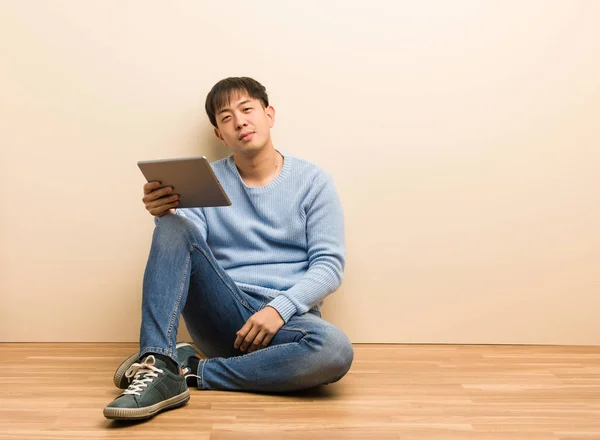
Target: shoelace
x: 143, y: 374
x: 188, y: 370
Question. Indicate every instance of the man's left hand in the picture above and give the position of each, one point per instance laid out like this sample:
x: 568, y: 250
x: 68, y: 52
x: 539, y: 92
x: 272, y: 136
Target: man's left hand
x: 259, y: 330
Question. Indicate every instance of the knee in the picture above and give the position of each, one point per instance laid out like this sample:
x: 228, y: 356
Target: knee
x: 173, y: 230
x: 337, y: 354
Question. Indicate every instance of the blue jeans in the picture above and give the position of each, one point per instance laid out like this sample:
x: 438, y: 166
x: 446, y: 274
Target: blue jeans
x: 183, y: 277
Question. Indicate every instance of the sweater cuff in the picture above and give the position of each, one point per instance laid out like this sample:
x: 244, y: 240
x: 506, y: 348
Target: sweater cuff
x: 284, y: 307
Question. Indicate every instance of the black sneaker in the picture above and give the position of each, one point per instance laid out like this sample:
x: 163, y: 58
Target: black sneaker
x: 184, y: 352
x: 153, y: 389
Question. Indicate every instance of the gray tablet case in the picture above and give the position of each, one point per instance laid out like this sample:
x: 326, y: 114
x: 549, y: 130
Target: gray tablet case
x: 191, y: 177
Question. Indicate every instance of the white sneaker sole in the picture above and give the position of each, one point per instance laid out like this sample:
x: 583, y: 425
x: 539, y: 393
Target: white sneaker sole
x: 148, y: 411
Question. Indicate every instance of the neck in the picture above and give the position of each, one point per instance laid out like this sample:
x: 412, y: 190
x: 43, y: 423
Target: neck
x: 261, y: 168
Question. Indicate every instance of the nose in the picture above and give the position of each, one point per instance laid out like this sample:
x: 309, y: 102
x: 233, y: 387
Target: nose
x: 240, y: 122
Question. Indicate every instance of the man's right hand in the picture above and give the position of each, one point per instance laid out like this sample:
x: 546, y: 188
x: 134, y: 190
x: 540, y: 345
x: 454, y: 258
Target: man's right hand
x: 159, y: 201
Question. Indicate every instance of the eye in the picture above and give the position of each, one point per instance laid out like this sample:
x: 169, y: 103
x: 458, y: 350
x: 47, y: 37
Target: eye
x: 225, y: 118
x: 247, y: 109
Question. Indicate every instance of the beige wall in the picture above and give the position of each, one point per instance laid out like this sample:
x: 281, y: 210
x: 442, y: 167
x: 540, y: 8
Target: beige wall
x: 463, y: 136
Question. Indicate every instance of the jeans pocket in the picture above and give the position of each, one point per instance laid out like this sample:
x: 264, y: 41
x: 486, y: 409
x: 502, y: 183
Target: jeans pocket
x: 285, y: 335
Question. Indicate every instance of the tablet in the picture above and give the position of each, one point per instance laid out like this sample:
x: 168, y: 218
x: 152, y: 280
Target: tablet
x: 191, y: 177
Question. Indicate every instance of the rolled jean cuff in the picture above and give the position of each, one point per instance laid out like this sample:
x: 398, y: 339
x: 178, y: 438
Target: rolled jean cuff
x: 200, y: 374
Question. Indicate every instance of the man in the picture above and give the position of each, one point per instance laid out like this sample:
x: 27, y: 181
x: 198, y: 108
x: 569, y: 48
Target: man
x: 249, y: 278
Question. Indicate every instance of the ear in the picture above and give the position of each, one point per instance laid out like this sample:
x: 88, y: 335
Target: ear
x: 220, y: 136
x: 270, y: 111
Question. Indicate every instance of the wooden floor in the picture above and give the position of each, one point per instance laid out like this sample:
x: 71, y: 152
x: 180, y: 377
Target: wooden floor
x: 58, y: 391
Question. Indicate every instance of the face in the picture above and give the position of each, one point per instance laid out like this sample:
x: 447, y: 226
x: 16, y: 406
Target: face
x: 244, y: 124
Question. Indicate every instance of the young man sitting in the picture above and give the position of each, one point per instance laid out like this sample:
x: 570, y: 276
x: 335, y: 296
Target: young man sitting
x: 249, y: 278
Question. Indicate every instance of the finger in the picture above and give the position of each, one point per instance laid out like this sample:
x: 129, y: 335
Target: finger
x: 162, y: 201
x: 157, y: 194
x: 267, y: 340
x: 257, y: 343
x: 241, y: 334
x: 151, y: 186
x: 249, y: 338
x: 155, y: 210
x: 164, y: 208
x: 159, y: 212
x: 168, y: 211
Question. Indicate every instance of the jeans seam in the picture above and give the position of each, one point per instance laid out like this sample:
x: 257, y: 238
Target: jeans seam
x: 262, y: 350
x: 202, y: 374
x: 235, y: 295
x: 176, y: 307
x: 298, y: 329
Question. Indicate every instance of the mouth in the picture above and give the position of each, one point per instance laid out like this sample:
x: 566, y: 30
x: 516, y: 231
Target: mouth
x: 246, y: 136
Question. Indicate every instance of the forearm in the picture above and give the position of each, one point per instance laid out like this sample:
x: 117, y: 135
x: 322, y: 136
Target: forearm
x: 319, y: 281
x: 326, y: 253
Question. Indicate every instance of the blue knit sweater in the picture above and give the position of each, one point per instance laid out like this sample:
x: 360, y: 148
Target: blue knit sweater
x: 284, y: 240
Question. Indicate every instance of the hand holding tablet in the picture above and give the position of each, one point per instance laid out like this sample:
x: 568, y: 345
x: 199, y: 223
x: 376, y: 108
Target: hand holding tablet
x: 193, y: 182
